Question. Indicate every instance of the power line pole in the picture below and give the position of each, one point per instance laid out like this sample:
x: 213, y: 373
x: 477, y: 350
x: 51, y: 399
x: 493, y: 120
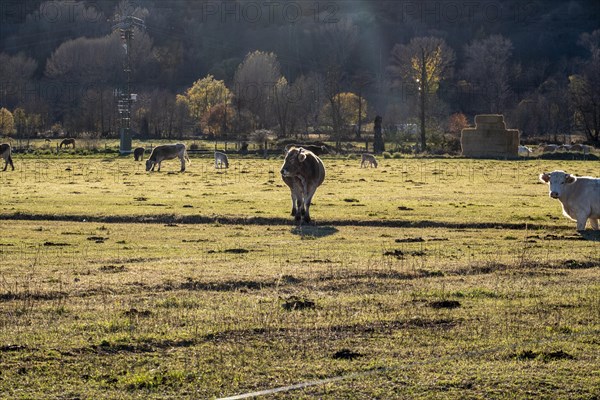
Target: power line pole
x: 125, y: 98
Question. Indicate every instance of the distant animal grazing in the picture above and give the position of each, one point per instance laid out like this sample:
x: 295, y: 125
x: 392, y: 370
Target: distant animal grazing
x: 524, y: 151
x: 138, y: 153
x: 167, y: 152
x: 549, y: 148
x: 47, y: 140
x: 5, y: 152
x: 66, y: 142
x: 221, y: 159
x: 583, y: 148
x: 316, y: 150
x: 303, y: 172
x: 579, y: 196
x: 368, y: 159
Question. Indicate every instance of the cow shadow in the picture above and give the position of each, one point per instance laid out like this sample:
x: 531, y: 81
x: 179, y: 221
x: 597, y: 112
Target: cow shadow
x: 313, y: 231
x: 592, y: 236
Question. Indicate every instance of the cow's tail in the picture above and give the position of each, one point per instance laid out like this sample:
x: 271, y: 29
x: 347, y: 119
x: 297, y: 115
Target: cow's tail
x: 185, y: 155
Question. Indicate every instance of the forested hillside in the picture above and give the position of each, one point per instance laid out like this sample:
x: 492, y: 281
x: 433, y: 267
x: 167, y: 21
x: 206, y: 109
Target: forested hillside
x: 229, y: 68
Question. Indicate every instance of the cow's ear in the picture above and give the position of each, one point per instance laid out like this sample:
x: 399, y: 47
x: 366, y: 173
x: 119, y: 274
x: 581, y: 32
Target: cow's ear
x: 301, y: 155
x: 545, y: 177
x: 570, y: 178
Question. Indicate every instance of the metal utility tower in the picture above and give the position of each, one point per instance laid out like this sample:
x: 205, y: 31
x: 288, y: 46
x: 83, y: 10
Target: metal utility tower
x: 125, y: 98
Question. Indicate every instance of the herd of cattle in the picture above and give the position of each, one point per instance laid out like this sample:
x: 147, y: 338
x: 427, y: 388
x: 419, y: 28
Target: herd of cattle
x: 303, y: 172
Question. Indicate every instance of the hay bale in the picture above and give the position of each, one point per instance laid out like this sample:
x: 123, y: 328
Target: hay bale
x: 490, y: 138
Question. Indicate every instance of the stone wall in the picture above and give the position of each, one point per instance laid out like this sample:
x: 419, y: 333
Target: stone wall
x: 490, y: 138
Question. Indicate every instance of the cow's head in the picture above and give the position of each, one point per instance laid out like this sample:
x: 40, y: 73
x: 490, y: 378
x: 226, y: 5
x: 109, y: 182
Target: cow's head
x: 149, y: 165
x: 292, y: 164
x: 557, y: 181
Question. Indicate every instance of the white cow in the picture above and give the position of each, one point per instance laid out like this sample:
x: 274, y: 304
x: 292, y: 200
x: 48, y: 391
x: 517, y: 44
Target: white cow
x: 579, y: 196
x: 221, y: 159
x: 524, y: 151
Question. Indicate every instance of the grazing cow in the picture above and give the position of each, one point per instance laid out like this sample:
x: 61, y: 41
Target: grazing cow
x: 524, y: 151
x: 368, y: 158
x: 221, y: 159
x: 549, y: 148
x: 582, y: 148
x: 316, y: 150
x: 579, y: 196
x: 138, y: 153
x: 5, y: 152
x: 66, y: 142
x: 303, y: 172
x: 167, y: 152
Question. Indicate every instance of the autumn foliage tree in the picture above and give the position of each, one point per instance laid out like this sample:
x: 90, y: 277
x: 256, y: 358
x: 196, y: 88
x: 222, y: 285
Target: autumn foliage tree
x: 456, y: 123
x: 7, y: 122
x: 205, y: 94
x: 421, y: 64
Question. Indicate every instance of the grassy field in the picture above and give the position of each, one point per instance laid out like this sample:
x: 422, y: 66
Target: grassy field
x: 423, y: 278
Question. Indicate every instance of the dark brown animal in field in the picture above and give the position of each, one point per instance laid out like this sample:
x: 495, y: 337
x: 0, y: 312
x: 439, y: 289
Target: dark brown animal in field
x: 5, y: 152
x: 138, y: 153
x: 303, y: 172
x: 316, y: 150
x: 167, y: 152
x: 66, y: 142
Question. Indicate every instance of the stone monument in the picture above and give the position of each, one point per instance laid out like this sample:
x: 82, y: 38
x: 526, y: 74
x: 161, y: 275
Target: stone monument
x: 490, y: 138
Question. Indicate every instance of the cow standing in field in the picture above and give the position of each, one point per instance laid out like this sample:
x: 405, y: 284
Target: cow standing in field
x: 524, y: 151
x: 5, y: 152
x: 167, y: 152
x: 138, y: 153
x: 579, y: 196
x: 303, y: 172
x: 66, y: 142
x: 368, y: 159
x: 221, y: 159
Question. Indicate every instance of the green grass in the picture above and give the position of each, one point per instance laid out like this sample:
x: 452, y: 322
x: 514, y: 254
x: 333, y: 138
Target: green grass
x: 447, y: 278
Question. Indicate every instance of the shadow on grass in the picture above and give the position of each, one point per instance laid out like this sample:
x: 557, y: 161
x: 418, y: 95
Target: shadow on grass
x: 592, y: 236
x: 318, y: 231
x: 313, y: 231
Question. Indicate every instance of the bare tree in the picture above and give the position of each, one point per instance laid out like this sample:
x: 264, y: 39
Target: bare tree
x: 15, y: 72
x: 421, y: 64
x: 584, y: 89
x: 487, y: 70
x: 254, y: 85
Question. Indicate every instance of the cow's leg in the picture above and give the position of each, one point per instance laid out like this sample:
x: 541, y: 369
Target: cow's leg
x: 182, y: 164
x: 10, y: 161
x: 5, y: 164
x: 308, y: 202
x: 594, y: 223
x: 158, y: 163
x: 581, y: 223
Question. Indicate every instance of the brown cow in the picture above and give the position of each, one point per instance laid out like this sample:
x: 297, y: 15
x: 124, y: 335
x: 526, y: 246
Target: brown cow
x: 5, y: 152
x: 138, y: 153
x: 66, y: 142
x: 167, y: 152
x: 303, y: 172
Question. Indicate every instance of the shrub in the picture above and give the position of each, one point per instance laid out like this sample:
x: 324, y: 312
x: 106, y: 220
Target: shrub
x: 386, y: 154
x: 397, y: 155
